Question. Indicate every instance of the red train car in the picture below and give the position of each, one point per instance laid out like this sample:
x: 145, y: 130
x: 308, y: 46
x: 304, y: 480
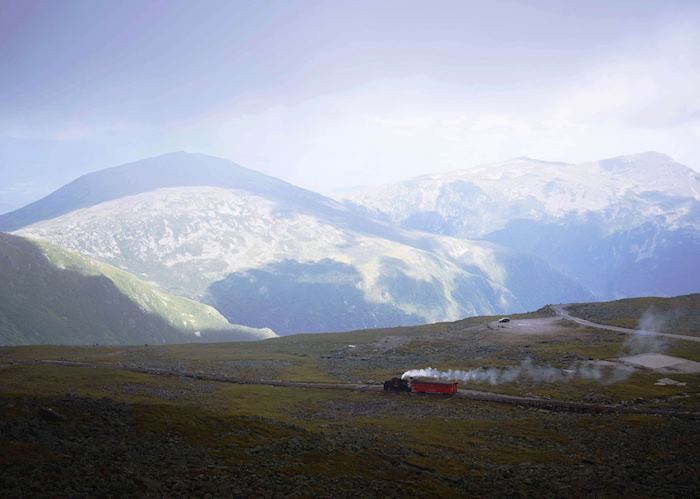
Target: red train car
x: 433, y: 386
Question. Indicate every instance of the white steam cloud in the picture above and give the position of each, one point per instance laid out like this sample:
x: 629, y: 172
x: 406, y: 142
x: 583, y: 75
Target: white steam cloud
x: 527, y: 371
x: 645, y: 340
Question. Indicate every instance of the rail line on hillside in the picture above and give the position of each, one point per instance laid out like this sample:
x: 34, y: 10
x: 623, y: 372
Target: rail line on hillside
x: 469, y: 394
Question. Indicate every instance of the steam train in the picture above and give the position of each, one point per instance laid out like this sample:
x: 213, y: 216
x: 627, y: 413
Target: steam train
x: 420, y: 385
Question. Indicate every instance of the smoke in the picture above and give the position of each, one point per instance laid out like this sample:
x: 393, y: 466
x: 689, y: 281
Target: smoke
x: 644, y: 340
x: 527, y: 371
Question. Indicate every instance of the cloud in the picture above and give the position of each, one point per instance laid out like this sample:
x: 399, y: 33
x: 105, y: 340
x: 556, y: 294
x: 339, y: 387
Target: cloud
x: 654, y: 87
x: 643, y: 96
x: 640, y: 95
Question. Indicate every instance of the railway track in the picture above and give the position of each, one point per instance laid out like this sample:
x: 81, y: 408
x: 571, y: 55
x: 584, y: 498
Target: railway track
x: 469, y: 394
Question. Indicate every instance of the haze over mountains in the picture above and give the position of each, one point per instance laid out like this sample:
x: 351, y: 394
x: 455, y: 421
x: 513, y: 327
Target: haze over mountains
x: 265, y: 252
x: 494, y: 240
x: 625, y: 226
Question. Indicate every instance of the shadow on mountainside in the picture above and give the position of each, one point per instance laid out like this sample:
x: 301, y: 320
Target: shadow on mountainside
x: 44, y: 304
x: 323, y: 296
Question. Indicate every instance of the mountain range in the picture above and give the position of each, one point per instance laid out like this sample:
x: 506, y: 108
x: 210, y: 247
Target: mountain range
x: 491, y: 240
x: 625, y: 226
x: 269, y: 254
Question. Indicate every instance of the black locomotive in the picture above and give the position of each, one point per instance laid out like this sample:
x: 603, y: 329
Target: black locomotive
x: 397, y: 385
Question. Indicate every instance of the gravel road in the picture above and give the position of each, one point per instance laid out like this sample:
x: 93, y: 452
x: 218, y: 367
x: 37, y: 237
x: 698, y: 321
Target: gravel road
x: 561, y: 311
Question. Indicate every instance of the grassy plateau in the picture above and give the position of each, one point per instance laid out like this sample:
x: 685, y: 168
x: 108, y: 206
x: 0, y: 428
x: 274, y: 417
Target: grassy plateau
x: 100, y: 429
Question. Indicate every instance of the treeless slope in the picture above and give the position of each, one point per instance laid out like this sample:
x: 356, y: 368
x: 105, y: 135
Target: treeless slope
x: 676, y: 315
x: 49, y: 295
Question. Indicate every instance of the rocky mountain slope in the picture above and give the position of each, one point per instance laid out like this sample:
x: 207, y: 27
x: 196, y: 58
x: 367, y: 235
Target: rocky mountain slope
x: 626, y: 226
x: 267, y: 253
x: 50, y: 295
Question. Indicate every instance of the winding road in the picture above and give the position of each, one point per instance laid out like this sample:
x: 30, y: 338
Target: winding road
x: 561, y: 311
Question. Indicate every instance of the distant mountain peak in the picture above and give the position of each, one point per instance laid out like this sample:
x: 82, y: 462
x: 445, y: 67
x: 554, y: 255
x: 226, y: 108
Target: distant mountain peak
x: 535, y: 160
x: 652, y: 162
x: 621, y: 225
x: 476, y: 201
x: 648, y: 158
x: 176, y: 169
x: 645, y: 156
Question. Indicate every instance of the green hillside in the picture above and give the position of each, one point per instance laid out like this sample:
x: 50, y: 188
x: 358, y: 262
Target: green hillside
x: 676, y: 315
x: 49, y: 295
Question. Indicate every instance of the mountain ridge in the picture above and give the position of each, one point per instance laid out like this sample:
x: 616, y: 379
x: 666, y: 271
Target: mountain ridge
x: 579, y: 217
x: 166, y: 170
x: 189, y: 238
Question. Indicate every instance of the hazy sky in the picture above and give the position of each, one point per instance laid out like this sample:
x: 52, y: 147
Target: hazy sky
x: 341, y: 93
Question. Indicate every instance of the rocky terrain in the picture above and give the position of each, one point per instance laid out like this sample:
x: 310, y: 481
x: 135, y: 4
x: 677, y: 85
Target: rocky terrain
x: 622, y: 227
x: 266, y: 253
x: 496, y: 239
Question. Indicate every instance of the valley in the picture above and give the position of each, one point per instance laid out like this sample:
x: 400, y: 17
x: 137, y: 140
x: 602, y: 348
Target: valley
x: 325, y: 249
x: 267, y: 254
x: 185, y: 326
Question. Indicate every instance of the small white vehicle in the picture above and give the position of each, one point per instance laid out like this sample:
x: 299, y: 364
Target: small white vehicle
x: 504, y: 320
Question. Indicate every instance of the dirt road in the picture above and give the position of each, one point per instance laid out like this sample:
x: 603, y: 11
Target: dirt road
x: 477, y: 395
x: 561, y: 311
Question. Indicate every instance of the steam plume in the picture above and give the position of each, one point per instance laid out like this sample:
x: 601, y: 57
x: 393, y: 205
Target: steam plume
x: 644, y: 340
x: 527, y: 371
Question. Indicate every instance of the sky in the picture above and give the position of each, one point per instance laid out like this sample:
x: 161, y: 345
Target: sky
x: 330, y: 95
